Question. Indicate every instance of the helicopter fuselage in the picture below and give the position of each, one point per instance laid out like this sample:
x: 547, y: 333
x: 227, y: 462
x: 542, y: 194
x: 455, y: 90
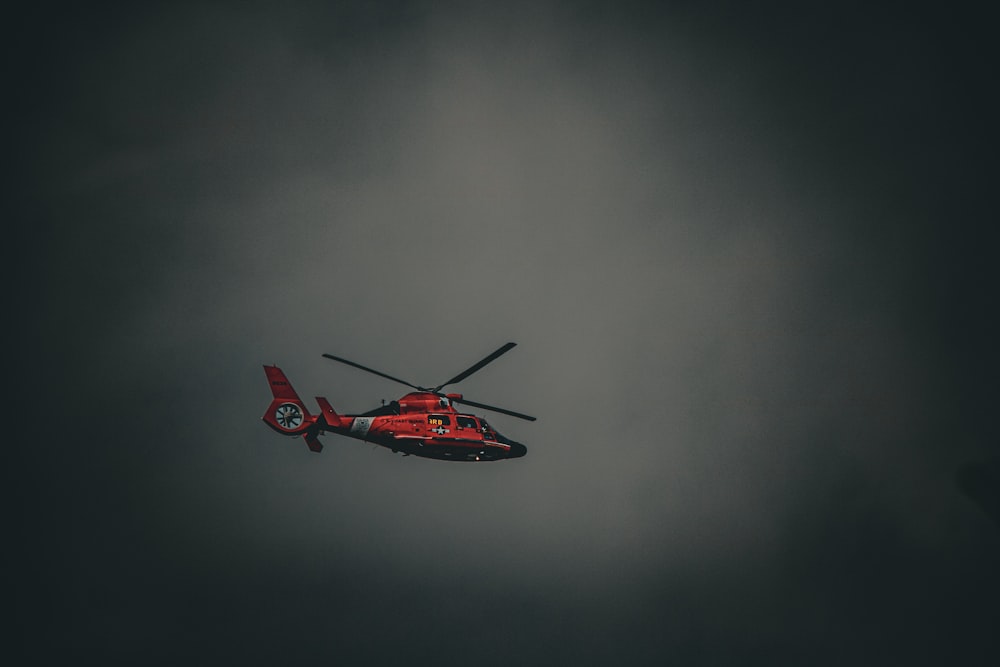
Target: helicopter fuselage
x: 422, y: 423
x: 430, y: 427
x: 419, y: 424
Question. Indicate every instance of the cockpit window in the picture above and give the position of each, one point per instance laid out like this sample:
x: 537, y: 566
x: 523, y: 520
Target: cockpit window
x: 466, y: 422
x: 439, y: 420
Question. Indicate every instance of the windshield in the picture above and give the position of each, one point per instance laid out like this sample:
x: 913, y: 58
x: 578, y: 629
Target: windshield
x: 491, y: 433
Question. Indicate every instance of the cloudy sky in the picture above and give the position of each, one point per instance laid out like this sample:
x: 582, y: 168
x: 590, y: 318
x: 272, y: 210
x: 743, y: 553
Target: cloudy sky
x: 745, y: 254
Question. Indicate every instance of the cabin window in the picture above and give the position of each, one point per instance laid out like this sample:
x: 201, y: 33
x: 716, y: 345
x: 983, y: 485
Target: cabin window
x: 438, y: 420
x: 466, y: 422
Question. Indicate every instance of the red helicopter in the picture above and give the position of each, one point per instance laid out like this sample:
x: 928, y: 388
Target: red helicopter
x: 422, y: 423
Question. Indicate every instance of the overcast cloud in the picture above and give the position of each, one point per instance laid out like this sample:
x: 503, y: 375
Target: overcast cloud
x: 743, y: 255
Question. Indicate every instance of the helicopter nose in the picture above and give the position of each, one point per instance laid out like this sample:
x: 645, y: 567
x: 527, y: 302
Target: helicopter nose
x: 517, y: 450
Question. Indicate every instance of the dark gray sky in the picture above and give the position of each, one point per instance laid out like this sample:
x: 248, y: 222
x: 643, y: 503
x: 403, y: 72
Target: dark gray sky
x: 746, y: 254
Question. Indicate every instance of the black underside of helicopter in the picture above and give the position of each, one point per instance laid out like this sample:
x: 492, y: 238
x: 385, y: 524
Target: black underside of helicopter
x: 444, y: 452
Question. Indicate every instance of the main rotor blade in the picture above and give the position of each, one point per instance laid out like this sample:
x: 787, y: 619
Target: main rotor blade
x: 372, y: 370
x: 472, y: 369
x: 493, y: 408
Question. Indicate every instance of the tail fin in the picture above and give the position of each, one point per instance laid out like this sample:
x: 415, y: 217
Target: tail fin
x: 312, y: 441
x: 280, y: 386
x: 287, y: 413
x: 330, y: 415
